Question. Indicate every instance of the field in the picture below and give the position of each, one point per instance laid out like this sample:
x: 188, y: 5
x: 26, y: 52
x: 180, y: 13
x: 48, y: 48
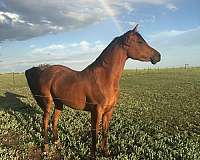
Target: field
x: 157, y: 117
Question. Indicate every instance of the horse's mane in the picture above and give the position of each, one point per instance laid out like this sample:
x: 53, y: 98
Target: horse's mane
x: 43, y: 66
x: 99, y: 60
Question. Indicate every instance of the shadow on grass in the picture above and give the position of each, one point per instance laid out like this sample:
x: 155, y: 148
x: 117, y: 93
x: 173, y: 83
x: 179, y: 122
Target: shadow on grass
x: 12, y: 102
x: 24, y: 114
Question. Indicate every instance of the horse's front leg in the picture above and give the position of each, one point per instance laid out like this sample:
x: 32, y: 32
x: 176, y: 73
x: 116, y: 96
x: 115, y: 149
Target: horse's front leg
x: 96, y: 116
x: 105, y: 128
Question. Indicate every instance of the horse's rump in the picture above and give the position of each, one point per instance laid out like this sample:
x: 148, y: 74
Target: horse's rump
x: 32, y: 76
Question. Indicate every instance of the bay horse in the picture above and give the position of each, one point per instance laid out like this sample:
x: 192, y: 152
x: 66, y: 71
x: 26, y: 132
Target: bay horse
x: 94, y: 89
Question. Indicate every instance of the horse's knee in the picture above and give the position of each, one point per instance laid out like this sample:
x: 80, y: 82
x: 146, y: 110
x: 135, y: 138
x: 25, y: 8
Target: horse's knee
x: 46, y: 119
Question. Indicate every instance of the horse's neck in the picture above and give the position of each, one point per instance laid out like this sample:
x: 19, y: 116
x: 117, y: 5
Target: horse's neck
x: 114, y: 62
x: 111, y: 62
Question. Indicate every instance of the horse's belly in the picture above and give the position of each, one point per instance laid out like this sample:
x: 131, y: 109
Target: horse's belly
x: 71, y: 92
x: 74, y: 98
x: 74, y: 102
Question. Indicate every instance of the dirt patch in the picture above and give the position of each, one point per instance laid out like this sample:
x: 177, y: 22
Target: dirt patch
x: 34, y: 153
x: 10, y: 139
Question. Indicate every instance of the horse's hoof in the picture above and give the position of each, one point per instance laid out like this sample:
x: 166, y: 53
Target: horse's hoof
x: 104, y: 150
x: 92, y: 157
x: 46, y: 149
x: 57, y: 142
x: 45, y: 153
x: 106, y: 153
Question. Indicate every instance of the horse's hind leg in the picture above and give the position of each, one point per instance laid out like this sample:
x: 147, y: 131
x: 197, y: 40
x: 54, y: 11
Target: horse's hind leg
x: 47, y: 110
x: 56, y: 115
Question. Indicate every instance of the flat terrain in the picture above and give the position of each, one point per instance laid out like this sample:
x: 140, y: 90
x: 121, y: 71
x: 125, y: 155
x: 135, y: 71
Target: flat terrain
x: 157, y: 117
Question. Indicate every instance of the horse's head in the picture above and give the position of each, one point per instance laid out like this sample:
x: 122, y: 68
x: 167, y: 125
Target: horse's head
x: 137, y: 48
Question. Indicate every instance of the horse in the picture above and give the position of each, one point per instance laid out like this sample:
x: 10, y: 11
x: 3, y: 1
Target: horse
x: 94, y: 89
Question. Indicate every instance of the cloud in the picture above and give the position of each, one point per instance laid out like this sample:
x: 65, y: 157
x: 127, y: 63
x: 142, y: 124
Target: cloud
x: 171, y: 7
x: 154, y: 2
x: 178, y: 46
x: 53, y: 49
x: 67, y: 54
x: 177, y: 37
x: 21, y: 20
x: 66, y: 49
x: 7, y: 18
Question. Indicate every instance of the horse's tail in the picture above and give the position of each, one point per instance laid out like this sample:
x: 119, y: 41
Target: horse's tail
x: 32, y: 76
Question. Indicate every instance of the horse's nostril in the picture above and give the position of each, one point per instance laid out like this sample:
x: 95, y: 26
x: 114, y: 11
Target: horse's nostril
x: 158, y: 56
x: 155, y: 58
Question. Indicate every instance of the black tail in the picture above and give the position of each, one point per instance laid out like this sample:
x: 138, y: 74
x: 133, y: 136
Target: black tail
x: 32, y: 76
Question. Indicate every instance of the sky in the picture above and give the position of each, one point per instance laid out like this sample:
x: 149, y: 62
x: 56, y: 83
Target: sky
x: 74, y: 33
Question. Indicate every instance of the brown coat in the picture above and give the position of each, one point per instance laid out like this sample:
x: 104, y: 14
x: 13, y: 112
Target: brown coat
x: 94, y: 89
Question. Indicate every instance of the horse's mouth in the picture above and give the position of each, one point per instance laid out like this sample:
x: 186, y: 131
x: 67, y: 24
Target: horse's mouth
x: 156, y: 58
x: 153, y: 61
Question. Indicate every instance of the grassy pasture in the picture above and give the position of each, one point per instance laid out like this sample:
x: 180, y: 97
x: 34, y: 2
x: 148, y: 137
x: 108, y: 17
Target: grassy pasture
x: 157, y: 117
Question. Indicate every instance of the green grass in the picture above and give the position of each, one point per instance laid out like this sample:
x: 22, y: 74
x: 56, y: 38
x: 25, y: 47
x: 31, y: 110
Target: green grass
x: 157, y: 117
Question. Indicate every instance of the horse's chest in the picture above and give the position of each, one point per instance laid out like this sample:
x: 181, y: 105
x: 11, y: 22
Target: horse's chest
x: 104, y: 93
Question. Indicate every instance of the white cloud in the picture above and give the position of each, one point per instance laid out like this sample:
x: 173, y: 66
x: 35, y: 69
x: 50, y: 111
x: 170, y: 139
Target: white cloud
x: 171, y: 7
x: 75, y: 55
x: 178, y: 47
x: 53, y: 49
x: 61, y: 50
x: 84, y: 45
x: 8, y: 17
x: 128, y: 7
x: 172, y: 35
x: 154, y: 2
x: 166, y: 34
x: 21, y: 20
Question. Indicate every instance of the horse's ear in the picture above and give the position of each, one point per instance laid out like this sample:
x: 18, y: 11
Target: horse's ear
x: 136, y: 28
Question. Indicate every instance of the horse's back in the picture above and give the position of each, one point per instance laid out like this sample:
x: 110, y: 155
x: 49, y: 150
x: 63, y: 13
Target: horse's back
x: 54, y: 72
x: 51, y: 77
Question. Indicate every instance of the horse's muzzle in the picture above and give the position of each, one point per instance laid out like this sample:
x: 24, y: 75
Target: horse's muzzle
x: 155, y: 58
